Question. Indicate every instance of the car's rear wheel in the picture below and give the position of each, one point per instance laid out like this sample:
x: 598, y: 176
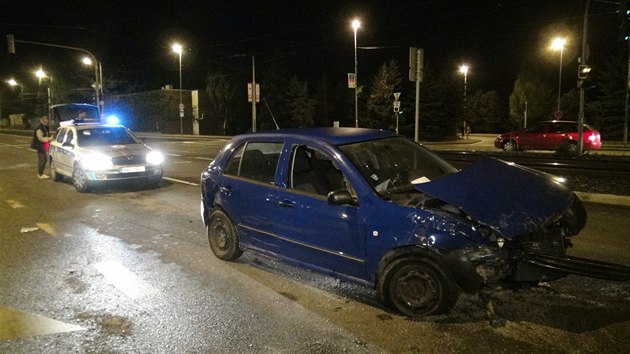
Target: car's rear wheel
x: 223, y: 237
x: 56, y: 176
x: 417, y: 287
x: 509, y: 145
x: 79, y: 180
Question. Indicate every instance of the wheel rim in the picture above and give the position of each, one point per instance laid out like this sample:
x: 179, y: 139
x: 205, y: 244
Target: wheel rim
x: 220, y: 234
x: 418, y: 290
x: 53, y: 169
x: 79, y: 179
x: 572, y: 148
x: 509, y: 146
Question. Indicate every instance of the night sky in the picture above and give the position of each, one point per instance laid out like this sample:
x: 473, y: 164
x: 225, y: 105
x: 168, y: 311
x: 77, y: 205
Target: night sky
x: 132, y: 39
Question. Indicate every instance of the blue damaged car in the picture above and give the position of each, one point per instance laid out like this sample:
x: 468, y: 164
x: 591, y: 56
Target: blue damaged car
x: 375, y: 208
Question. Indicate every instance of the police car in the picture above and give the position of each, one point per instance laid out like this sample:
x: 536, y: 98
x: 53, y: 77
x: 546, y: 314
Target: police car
x: 92, y: 153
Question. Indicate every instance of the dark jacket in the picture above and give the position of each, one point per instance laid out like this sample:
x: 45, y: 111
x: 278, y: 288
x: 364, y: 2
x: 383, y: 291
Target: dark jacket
x: 36, y: 144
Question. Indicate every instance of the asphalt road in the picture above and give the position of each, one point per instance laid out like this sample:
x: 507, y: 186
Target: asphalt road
x: 129, y: 270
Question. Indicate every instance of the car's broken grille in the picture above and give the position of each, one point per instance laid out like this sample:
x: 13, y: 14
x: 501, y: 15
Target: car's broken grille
x: 129, y: 160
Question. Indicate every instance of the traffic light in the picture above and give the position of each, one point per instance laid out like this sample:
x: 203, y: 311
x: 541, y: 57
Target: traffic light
x: 10, y: 43
x: 583, y: 71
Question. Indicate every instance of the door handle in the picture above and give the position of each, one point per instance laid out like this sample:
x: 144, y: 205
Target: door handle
x: 225, y: 190
x: 286, y: 203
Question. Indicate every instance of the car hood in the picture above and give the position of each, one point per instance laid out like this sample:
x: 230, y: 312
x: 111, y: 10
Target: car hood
x: 121, y: 150
x: 511, y: 199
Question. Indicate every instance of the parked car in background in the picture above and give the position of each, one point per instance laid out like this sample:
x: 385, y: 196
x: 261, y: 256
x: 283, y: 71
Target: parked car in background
x: 550, y: 135
x: 92, y: 153
x: 375, y: 208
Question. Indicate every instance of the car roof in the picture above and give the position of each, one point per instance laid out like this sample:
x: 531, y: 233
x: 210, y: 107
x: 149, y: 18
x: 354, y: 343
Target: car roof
x: 82, y: 126
x: 334, y: 136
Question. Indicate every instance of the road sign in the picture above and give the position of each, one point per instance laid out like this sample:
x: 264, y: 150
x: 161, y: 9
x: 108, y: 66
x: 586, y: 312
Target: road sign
x: 557, y: 114
x: 181, y: 107
x: 396, y: 96
x: 396, y: 106
x: 352, y: 80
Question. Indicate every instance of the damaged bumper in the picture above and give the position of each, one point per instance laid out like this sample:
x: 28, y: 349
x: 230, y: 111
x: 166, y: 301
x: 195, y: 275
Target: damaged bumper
x: 577, y: 266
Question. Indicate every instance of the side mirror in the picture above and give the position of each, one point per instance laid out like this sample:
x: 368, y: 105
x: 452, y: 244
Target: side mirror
x: 340, y: 197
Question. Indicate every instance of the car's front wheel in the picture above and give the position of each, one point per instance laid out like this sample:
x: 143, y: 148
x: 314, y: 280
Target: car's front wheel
x: 79, y: 180
x: 509, y: 145
x: 417, y: 287
x: 56, y: 176
x: 222, y: 236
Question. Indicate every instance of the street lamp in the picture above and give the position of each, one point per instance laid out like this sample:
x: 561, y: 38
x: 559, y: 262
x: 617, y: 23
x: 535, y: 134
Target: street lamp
x: 40, y: 74
x: 355, y: 25
x: 463, y: 69
x: 177, y: 48
x: 98, y: 83
x: 558, y: 44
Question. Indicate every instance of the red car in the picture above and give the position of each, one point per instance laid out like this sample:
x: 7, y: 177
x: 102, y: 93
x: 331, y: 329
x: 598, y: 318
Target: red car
x: 549, y: 135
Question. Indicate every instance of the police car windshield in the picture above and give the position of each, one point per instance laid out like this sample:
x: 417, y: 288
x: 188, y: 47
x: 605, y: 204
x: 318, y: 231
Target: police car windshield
x: 105, y: 136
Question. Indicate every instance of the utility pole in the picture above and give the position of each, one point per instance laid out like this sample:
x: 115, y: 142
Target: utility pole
x: 416, y: 60
x: 253, y: 94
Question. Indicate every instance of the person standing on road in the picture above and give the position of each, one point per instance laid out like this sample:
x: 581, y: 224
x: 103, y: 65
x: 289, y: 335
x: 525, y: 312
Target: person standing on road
x: 41, y: 143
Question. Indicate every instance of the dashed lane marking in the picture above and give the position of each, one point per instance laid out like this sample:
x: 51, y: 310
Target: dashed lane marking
x: 15, y: 204
x: 47, y: 228
x: 16, y: 324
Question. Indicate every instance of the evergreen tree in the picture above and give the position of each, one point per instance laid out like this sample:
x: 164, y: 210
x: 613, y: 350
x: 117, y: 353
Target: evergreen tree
x: 301, y: 105
x: 381, y: 98
x: 532, y: 89
x: 605, y: 107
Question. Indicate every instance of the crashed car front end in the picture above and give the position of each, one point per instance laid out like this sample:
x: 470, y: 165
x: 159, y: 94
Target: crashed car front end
x: 520, y: 221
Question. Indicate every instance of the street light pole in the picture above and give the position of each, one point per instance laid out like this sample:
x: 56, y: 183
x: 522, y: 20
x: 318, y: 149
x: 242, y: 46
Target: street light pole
x: 559, y: 43
x: 355, y: 25
x: 177, y: 48
x: 464, y: 70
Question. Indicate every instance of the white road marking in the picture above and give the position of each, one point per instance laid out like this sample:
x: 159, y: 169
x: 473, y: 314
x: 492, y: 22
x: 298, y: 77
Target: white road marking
x: 180, y: 181
x: 203, y: 158
x: 173, y: 155
x: 47, y: 228
x: 15, y: 204
x: 124, y: 280
x: 16, y: 324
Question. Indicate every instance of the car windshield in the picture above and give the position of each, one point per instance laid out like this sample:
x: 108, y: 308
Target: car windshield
x: 393, y: 165
x: 105, y: 136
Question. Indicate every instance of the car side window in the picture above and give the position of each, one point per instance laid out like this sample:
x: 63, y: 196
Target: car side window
x: 313, y: 171
x: 69, y: 136
x: 232, y: 166
x: 537, y: 129
x: 257, y: 161
x: 61, y: 135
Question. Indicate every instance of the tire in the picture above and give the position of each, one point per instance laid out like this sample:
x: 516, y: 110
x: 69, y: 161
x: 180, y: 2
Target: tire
x: 572, y: 148
x: 417, y: 287
x: 509, y: 145
x: 79, y: 180
x: 56, y: 176
x: 223, y: 237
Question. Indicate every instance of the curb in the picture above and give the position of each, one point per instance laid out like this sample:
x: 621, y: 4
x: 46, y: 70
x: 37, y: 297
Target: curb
x: 611, y: 199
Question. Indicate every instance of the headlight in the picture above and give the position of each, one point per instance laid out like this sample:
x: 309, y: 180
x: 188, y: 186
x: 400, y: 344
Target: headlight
x: 96, y: 161
x: 155, y: 158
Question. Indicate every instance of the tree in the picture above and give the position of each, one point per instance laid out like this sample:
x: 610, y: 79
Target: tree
x: 486, y: 113
x: 605, y: 109
x: 532, y: 90
x: 386, y: 81
x: 224, y: 97
x: 301, y: 105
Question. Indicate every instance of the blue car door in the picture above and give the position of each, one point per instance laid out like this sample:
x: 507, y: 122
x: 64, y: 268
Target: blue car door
x: 248, y: 191
x: 312, y: 231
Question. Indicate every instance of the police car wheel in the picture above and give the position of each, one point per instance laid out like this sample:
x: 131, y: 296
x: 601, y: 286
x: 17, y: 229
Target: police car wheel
x: 79, y: 180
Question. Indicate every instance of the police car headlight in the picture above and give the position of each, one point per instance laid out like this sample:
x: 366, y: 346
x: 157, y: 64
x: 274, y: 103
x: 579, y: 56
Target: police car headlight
x: 155, y: 158
x: 97, y: 161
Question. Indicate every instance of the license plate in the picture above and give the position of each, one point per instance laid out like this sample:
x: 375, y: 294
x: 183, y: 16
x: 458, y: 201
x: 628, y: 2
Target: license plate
x: 132, y: 169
